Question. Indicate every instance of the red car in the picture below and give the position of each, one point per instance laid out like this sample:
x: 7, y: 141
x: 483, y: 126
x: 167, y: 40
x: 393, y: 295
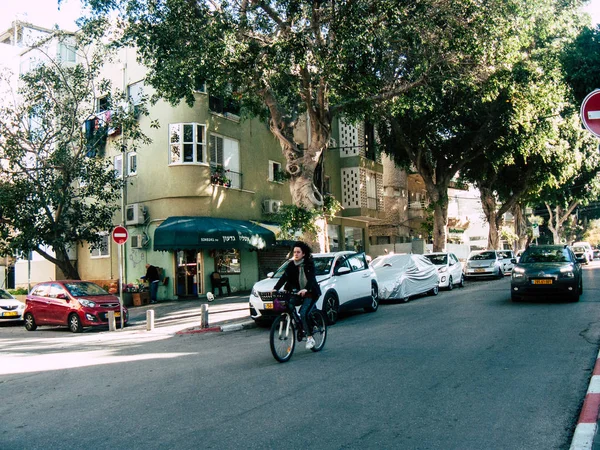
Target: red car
x: 76, y: 304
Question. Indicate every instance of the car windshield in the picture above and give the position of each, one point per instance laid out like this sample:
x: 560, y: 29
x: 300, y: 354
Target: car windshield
x: 84, y: 289
x: 4, y: 295
x: 483, y: 255
x: 578, y: 249
x: 438, y: 260
x: 322, y: 266
x: 535, y: 255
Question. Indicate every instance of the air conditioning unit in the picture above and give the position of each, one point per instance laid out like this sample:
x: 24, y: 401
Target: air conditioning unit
x: 135, y: 214
x: 271, y: 206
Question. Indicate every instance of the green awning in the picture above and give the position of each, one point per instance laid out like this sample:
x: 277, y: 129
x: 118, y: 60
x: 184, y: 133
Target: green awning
x: 192, y: 233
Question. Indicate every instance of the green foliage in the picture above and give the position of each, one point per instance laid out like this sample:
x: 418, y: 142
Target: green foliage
x: 294, y: 219
x: 53, y: 195
x: 19, y: 291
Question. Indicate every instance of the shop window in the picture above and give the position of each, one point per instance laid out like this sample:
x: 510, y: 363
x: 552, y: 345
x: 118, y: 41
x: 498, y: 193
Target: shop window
x: 354, y: 239
x: 228, y: 261
x: 333, y: 235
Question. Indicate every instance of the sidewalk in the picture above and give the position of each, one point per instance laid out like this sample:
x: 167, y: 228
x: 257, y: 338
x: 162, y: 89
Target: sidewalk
x: 227, y: 313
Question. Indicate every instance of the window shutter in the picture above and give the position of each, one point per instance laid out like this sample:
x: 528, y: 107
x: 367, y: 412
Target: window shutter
x: 216, y: 150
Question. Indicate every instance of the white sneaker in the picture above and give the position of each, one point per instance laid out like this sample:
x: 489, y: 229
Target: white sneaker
x: 310, y: 343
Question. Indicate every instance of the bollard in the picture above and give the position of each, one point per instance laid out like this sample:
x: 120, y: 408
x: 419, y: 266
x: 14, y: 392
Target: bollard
x: 112, y: 326
x: 150, y: 320
x: 204, y: 316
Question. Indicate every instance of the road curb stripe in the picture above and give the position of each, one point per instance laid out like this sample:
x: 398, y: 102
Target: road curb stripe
x: 583, y: 438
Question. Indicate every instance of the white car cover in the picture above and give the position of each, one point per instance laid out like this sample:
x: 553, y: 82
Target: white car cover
x: 402, y: 276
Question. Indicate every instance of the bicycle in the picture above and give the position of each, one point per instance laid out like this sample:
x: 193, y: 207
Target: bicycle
x: 287, y: 327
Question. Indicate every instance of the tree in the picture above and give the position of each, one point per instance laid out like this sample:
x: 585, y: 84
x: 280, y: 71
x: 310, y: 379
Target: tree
x: 471, y: 110
x: 284, y: 61
x: 56, y: 190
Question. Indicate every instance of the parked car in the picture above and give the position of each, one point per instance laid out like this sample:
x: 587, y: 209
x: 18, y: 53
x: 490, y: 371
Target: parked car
x: 508, y: 260
x: 547, y: 270
x: 11, y: 309
x: 596, y: 253
x: 486, y: 263
x: 404, y: 276
x: 450, y: 271
x: 346, y: 281
x: 581, y: 253
x: 588, y: 249
x: 76, y: 304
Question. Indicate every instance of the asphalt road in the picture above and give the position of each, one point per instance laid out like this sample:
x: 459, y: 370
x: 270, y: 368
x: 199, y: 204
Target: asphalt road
x: 467, y: 369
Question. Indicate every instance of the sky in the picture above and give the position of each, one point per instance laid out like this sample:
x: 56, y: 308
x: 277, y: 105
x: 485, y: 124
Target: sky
x: 46, y: 13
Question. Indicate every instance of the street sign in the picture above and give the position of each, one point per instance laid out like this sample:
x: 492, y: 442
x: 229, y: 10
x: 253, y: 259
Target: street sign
x: 590, y: 112
x: 120, y: 235
x: 535, y: 230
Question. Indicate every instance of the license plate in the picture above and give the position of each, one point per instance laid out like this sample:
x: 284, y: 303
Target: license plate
x: 479, y: 270
x: 10, y: 314
x: 547, y: 281
x: 269, y: 305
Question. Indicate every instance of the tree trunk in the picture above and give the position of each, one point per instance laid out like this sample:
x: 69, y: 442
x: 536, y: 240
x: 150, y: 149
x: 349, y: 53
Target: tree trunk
x: 439, y: 197
x: 520, y: 227
x: 488, y: 203
x: 61, y: 261
x: 556, y: 220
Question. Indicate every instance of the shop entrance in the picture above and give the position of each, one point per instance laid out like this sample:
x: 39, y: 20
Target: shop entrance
x: 188, y: 266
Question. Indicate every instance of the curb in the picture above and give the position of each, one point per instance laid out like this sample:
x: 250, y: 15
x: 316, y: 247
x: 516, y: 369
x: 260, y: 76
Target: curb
x: 220, y: 329
x: 583, y: 438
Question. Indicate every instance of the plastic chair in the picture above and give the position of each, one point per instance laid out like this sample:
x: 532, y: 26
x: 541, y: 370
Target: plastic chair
x: 218, y: 282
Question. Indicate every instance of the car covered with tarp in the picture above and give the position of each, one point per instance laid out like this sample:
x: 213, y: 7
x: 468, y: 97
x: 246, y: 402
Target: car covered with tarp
x: 403, y: 276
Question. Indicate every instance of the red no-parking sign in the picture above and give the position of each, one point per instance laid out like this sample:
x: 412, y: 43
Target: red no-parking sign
x: 120, y: 235
x: 590, y: 112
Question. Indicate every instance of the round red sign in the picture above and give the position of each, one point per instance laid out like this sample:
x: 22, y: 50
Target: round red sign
x: 120, y: 235
x: 590, y: 112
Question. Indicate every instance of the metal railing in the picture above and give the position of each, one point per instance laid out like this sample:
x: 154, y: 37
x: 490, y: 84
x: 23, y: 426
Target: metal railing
x: 225, y: 177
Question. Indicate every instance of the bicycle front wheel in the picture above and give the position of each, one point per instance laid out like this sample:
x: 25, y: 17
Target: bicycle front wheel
x: 319, y: 329
x: 283, y: 338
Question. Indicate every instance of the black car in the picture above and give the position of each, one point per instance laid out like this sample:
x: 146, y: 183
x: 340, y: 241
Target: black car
x: 545, y: 270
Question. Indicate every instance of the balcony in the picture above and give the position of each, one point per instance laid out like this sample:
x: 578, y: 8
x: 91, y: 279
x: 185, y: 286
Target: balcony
x: 220, y: 176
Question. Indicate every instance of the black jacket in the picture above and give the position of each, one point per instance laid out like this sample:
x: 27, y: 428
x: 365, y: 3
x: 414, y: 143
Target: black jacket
x: 290, y: 279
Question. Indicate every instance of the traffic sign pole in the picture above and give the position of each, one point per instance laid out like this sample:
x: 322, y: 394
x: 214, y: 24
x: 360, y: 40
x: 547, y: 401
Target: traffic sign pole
x: 120, y: 236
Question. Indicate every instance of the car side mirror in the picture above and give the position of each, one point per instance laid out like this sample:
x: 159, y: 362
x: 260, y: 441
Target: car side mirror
x: 514, y: 260
x: 61, y: 296
x: 270, y: 274
x: 343, y: 270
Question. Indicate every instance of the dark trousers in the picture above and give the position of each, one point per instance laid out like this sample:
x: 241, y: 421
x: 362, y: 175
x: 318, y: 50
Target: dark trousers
x: 153, y: 290
x: 307, y: 305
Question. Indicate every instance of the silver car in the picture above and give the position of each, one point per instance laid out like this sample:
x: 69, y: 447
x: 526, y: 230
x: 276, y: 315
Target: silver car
x: 486, y: 263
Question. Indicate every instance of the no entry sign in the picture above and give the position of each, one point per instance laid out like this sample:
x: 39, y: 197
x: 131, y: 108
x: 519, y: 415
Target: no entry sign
x: 120, y: 235
x: 590, y: 112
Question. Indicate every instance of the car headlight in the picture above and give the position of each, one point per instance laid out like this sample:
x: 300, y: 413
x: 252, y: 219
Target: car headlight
x: 492, y: 264
x: 443, y: 269
x: 567, y: 272
x: 254, y: 292
x: 87, y: 303
x: 518, y: 270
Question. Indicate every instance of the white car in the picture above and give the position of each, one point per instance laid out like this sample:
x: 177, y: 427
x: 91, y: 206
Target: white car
x: 589, y: 251
x: 11, y: 309
x: 508, y: 260
x: 346, y: 281
x: 486, y: 263
x: 449, y: 269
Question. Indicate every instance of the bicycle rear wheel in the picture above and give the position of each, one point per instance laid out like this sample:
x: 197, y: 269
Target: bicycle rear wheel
x: 283, y: 338
x: 319, y: 329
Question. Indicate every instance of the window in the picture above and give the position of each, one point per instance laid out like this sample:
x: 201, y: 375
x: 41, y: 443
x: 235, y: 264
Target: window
x: 187, y: 143
x: 102, y: 104
x: 354, y: 238
x: 131, y: 163
x: 357, y: 262
x: 118, y: 165
x: 199, y: 84
x: 227, y: 261
x: 371, y: 191
x: 224, y: 106
x: 66, y: 52
x: 333, y: 235
x: 103, y: 250
x: 135, y: 92
x: 276, y: 172
x: 225, y: 154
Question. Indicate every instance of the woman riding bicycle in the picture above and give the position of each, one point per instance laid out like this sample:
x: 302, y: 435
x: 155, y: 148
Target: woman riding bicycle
x: 300, y: 276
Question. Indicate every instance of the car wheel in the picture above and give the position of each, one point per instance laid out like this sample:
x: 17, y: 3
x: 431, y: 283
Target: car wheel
x: 434, y: 291
x: 405, y: 299
x: 515, y: 298
x: 75, y: 324
x: 450, y: 285
x: 30, y: 324
x: 262, y: 323
x: 461, y: 283
x: 374, y: 299
x: 500, y: 273
x: 331, y: 308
